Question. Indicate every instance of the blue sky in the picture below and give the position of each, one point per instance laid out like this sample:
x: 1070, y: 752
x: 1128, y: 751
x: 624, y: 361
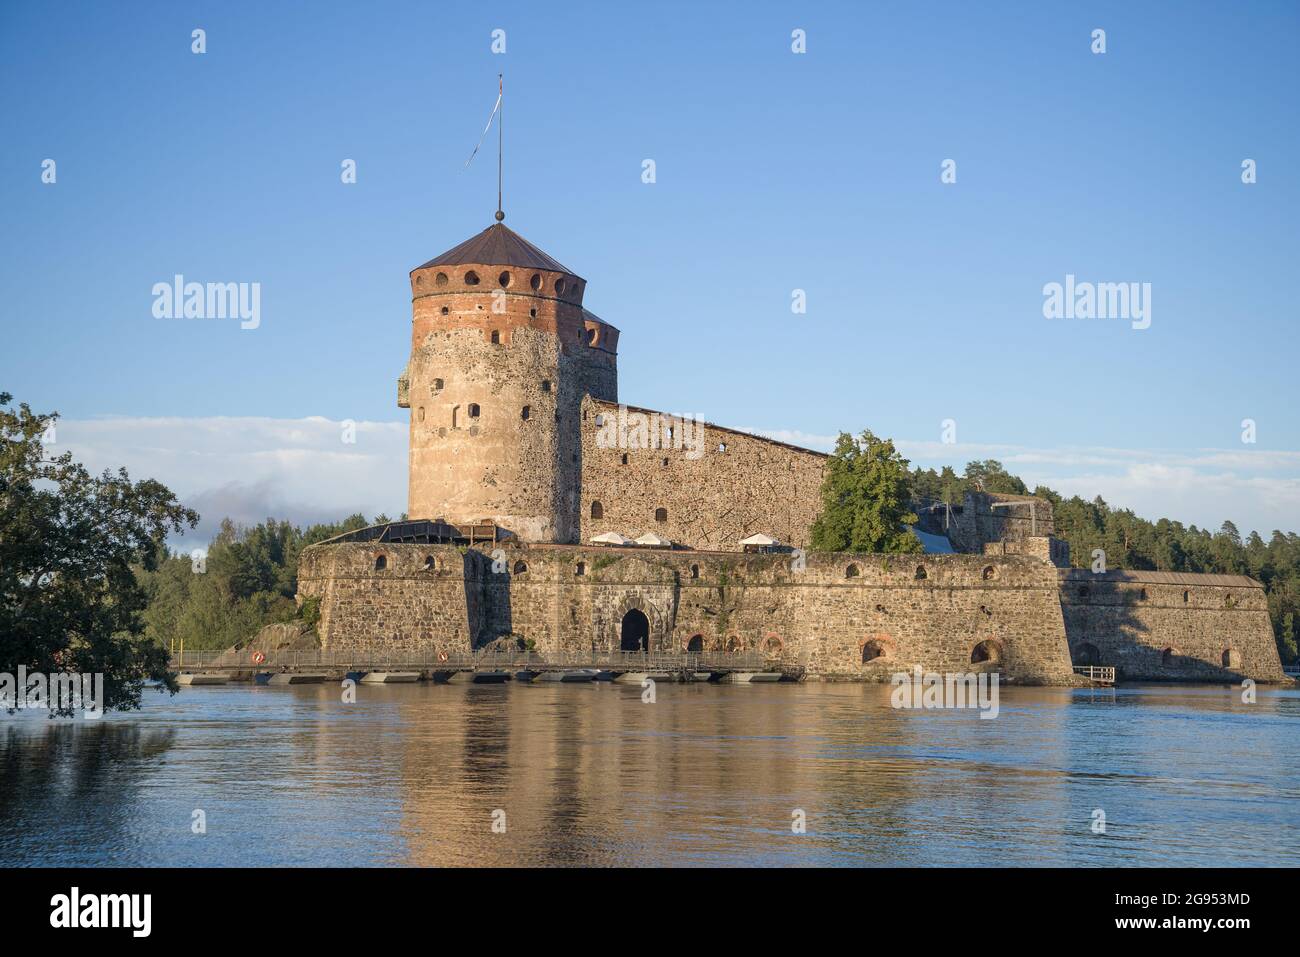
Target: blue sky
x: 775, y: 172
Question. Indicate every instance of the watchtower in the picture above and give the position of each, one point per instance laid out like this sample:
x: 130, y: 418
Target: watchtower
x: 502, y: 352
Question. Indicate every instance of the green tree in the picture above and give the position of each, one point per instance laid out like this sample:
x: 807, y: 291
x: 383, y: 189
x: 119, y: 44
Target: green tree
x: 866, y: 499
x: 69, y: 596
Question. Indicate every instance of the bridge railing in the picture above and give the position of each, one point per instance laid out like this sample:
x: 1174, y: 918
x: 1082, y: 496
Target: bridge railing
x: 1103, y: 674
x: 433, y: 660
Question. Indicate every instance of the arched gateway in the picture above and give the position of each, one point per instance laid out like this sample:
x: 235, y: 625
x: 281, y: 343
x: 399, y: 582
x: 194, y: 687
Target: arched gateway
x: 635, y: 634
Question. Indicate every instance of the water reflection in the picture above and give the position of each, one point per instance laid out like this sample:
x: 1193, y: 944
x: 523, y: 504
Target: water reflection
x: 707, y: 775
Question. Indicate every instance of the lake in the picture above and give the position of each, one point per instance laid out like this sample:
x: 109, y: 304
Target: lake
x: 589, y: 775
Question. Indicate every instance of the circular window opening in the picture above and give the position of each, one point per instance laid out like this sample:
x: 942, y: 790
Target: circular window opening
x: 559, y: 287
x: 445, y: 310
x: 471, y: 278
x: 440, y: 279
x: 503, y: 280
x: 536, y: 281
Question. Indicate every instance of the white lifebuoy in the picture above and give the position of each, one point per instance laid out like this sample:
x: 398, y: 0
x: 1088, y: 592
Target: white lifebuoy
x: 258, y: 657
x: 442, y: 656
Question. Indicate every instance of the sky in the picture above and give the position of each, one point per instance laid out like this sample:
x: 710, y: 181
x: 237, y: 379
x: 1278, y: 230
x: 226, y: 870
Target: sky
x: 775, y: 171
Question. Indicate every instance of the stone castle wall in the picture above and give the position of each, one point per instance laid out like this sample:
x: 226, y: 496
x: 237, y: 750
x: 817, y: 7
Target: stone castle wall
x: 1159, y: 626
x: 738, y: 484
x: 840, y: 616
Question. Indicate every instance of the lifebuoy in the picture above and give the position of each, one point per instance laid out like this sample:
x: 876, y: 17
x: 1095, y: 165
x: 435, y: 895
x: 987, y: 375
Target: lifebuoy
x: 258, y: 657
x: 442, y: 656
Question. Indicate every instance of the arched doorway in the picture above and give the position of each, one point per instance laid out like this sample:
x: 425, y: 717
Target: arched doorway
x: 1087, y: 654
x: 986, y: 651
x: 635, y: 634
x: 696, y: 644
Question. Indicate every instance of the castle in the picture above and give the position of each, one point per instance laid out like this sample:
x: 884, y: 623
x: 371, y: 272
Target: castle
x: 521, y: 455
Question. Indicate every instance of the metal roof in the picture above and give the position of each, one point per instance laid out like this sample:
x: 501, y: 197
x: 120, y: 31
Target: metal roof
x: 1158, y: 578
x: 498, y: 246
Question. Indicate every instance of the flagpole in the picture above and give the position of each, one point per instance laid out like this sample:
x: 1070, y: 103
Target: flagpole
x: 501, y: 140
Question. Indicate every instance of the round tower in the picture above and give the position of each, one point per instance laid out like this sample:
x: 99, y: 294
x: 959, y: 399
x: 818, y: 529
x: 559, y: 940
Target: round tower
x: 502, y: 352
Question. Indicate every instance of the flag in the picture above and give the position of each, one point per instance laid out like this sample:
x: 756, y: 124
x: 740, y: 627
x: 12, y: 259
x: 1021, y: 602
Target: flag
x: 495, y: 106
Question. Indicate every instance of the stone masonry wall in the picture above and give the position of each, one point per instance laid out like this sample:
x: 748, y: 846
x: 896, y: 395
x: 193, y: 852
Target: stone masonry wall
x: 739, y: 485
x: 1170, y: 627
x: 841, y: 616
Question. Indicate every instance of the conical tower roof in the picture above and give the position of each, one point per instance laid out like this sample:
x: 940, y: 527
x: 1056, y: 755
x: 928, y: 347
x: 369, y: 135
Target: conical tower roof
x: 498, y: 245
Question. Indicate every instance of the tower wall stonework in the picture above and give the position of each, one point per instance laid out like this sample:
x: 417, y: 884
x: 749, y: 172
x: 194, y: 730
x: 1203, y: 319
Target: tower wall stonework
x: 501, y: 358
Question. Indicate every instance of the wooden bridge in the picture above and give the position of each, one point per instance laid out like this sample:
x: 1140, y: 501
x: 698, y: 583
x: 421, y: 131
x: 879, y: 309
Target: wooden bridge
x: 430, y: 663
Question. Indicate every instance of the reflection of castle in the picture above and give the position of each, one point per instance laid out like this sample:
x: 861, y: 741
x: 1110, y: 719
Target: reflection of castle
x: 516, y: 428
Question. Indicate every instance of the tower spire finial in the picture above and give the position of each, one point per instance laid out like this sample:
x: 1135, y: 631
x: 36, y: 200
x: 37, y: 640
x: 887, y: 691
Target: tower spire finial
x: 501, y: 139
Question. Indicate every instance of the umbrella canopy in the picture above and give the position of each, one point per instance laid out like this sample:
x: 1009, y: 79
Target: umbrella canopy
x: 758, y: 539
x: 611, y: 538
x: 652, y: 540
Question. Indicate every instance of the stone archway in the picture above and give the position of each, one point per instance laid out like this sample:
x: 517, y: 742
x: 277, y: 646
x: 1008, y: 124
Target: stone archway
x: 1087, y: 654
x: 634, y: 632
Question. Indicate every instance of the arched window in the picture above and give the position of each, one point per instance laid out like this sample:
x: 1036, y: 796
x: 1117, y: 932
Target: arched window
x: 536, y: 281
x: 989, y: 651
x: 503, y: 280
x: 496, y: 337
x: 853, y: 571
x: 471, y: 278
x: 921, y: 574
x: 696, y: 644
x: 597, y: 510
x: 473, y: 410
x: 381, y: 562
x: 1231, y: 658
x: 580, y: 568
x: 440, y: 279
x: 661, y: 515
x: 526, y: 412
x: 695, y: 571
x: 521, y: 567
x: 877, y: 649
x: 430, y: 563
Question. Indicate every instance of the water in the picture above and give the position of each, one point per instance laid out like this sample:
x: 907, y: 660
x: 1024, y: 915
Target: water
x: 707, y: 775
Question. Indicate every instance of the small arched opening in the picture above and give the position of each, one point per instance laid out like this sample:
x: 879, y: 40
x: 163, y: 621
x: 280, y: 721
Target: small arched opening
x: 661, y: 515
x: 1231, y: 658
x: 853, y: 571
x: 921, y: 573
x: 986, y: 651
x: 430, y: 563
x: 521, y: 567
x: 696, y: 644
x: 1168, y: 657
x: 877, y: 649
x: 1087, y: 654
x: 381, y: 562
x: 597, y: 510
x: 989, y: 573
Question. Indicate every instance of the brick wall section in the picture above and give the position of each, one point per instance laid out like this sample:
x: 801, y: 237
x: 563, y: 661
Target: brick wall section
x: 711, y: 502
x: 819, y: 618
x: 1216, y: 632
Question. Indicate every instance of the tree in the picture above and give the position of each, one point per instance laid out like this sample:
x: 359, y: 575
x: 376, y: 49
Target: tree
x: 69, y: 597
x: 865, y: 499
